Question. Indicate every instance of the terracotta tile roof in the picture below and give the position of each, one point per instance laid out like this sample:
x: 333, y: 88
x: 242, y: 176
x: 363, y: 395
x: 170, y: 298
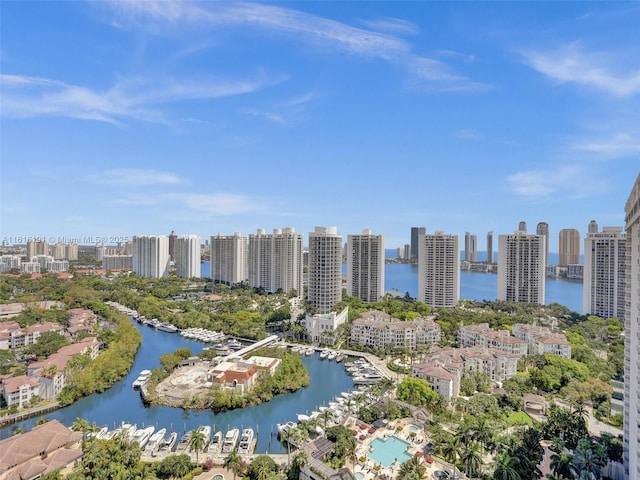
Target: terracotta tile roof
x: 13, y: 384
x: 24, y: 450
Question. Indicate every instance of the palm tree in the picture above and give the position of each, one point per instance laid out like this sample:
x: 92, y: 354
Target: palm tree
x: 560, y: 464
x: 326, y: 415
x: 412, y: 469
x: 586, y: 464
x: 506, y: 467
x: 451, y: 450
x: 472, y: 460
x: 80, y: 425
x: 483, y: 432
x: 233, y: 462
x: 196, y: 442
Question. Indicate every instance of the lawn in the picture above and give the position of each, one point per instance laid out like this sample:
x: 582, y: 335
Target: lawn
x: 520, y: 418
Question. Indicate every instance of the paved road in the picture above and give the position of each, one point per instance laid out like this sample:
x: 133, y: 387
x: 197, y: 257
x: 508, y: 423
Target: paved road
x: 596, y: 427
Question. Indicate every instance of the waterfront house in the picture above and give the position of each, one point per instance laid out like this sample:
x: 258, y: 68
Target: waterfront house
x: 46, y: 448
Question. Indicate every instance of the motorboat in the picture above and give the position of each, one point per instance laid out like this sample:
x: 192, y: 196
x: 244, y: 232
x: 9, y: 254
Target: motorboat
x: 230, y: 440
x: 184, y: 441
x: 142, y: 436
x: 168, y: 443
x: 303, y: 418
x: 167, y: 327
x: 339, y: 358
x: 324, y: 354
x: 246, y: 441
x: 155, y: 441
x: 206, y: 432
x: 285, y: 427
x: 216, y: 442
x: 332, y: 355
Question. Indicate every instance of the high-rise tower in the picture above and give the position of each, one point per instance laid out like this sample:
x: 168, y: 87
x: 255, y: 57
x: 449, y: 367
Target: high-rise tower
x: 187, y: 256
x: 522, y: 226
x: 470, y: 247
x: 490, y: 247
x: 439, y: 270
x: 632, y: 335
x: 275, y: 260
x: 228, y: 258
x: 569, y: 247
x: 415, y: 233
x: 325, y: 268
x: 151, y: 256
x: 365, y: 266
x: 603, y: 286
x: 521, y: 271
x: 172, y: 245
x: 543, y: 229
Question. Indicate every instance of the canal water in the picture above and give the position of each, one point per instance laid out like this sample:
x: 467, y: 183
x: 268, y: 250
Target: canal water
x: 122, y: 403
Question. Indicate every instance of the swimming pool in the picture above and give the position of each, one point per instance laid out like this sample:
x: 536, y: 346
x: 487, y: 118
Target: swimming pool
x: 359, y: 475
x: 385, y: 452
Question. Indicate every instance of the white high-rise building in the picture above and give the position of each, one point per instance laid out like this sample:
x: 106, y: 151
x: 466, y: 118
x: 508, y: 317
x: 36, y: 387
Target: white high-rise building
x: 58, y: 251
x: 229, y: 258
x: 325, y: 268
x: 71, y: 251
x: 439, y: 270
x: 37, y: 247
x: 603, y: 285
x: 632, y: 336
x: 365, y: 266
x: 187, y: 256
x: 275, y: 260
x: 151, y: 256
x: 521, y: 267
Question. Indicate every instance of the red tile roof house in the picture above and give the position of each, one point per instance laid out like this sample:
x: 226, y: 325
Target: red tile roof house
x: 46, y: 448
x: 238, y: 376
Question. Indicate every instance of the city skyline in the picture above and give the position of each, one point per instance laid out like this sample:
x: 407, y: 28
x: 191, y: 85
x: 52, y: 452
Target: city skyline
x: 227, y: 117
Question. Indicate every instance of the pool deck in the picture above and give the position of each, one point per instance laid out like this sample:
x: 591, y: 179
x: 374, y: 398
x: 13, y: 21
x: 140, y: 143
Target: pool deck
x: 367, y: 467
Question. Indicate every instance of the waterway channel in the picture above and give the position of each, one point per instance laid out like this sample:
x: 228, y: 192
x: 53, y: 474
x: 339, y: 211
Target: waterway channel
x: 123, y: 403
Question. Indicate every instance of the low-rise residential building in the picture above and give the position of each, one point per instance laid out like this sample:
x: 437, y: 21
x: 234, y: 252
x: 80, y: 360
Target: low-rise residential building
x: 266, y: 364
x: 45, y: 449
x: 20, y: 390
x: 444, y: 368
x: 378, y: 329
x: 481, y: 335
x: 321, y: 327
x: 541, y: 340
x: 29, y: 335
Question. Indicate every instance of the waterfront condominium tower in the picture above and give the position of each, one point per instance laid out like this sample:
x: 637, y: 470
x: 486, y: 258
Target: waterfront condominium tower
x: 187, y: 256
x: 415, y: 233
x: 543, y: 229
x: 521, y: 270
x: 439, y: 270
x: 490, y: 247
x: 150, y: 256
x: 275, y: 261
x: 632, y: 336
x: 470, y: 247
x: 569, y: 247
x: 172, y: 245
x: 325, y: 268
x: 603, y: 286
x: 365, y: 266
x: 228, y: 258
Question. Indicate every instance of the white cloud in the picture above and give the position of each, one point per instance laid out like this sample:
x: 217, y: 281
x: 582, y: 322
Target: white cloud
x: 313, y: 29
x: 137, y: 176
x: 271, y: 116
x: 391, y: 24
x: 572, y: 181
x: 592, y: 69
x: 615, y: 145
x: 136, y: 98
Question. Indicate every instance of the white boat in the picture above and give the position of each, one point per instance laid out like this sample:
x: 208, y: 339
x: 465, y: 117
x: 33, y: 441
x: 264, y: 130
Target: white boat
x: 206, y: 432
x: 324, y: 354
x: 99, y: 434
x: 303, y: 418
x: 296, y: 348
x: 167, y: 327
x: 230, y: 440
x: 339, y: 358
x: 308, y: 352
x: 285, y: 427
x: 155, y: 441
x: 366, y: 379
x: 142, y: 436
x: 184, y: 441
x: 216, y: 442
x: 332, y: 356
x: 169, y: 442
x: 246, y: 441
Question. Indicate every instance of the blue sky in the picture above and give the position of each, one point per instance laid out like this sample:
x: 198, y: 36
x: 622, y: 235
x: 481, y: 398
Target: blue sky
x: 123, y: 118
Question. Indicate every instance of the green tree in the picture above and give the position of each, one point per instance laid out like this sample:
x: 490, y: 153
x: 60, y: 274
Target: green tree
x: 506, y: 467
x: 196, y: 442
x: 174, y: 466
x: 261, y: 467
x: 233, y: 462
x: 416, y: 391
x: 471, y: 459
